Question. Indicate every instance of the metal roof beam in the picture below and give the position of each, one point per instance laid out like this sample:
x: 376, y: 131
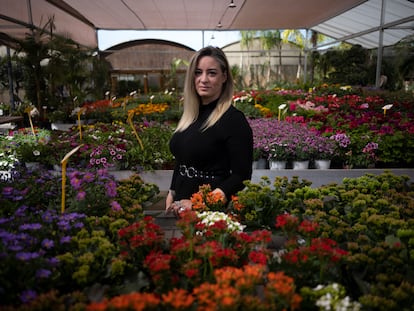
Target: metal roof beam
x: 390, y: 25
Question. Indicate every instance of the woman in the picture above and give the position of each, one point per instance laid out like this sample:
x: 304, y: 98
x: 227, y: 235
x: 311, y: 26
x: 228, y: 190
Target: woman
x: 213, y: 142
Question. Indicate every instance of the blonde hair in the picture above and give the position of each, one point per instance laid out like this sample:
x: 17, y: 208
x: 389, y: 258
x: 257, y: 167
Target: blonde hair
x: 192, y: 99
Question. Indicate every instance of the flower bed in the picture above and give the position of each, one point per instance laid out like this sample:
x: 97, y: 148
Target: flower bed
x: 379, y: 126
x: 351, y: 241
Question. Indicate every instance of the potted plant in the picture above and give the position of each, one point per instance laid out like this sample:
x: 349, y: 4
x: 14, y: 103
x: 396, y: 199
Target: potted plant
x: 279, y: 154
x: 29, y: 147
x: 325, y: 151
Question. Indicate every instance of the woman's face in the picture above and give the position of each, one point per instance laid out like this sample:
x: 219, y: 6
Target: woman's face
x: 209, y: 79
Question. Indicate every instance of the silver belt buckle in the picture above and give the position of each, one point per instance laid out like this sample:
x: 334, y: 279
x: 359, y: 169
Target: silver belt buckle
x: 190, y: 172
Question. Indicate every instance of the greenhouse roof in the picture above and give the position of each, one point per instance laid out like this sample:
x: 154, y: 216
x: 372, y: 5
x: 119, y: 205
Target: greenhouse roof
x: 354, y: 21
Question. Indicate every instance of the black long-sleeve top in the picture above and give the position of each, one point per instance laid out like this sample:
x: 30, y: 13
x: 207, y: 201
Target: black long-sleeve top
x: 224, y: 150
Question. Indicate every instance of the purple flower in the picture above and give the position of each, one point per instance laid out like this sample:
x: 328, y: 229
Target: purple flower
x: 78, y: 225
x: 65, y: 239
x: 43, y: 273
x: 64, y: 225
x: 111, y: 189
x: 53, y: 261
x: 80, y: 196
x: 34, y: 226
x: 5, y: 220
x: 88, y: 177
x: 76, y: 183
x: 116, y: 207
x: 48, y: 244
x: 7, y: 192
x: 48, y: 217
x: 28, y: 295
x: 26, y: 256
x: 21, y: 211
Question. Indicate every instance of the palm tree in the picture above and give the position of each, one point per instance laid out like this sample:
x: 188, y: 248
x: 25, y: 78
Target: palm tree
x: 297, y: 37
x: 247, y: 38
x: 271, y: 39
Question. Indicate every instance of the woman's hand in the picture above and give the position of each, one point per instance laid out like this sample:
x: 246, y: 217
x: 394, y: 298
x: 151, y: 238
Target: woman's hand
x: 178, y: 207
x: 169, y: 201
x: 220, y: 193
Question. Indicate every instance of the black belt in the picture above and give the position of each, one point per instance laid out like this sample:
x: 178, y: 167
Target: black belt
x: 192, y: 172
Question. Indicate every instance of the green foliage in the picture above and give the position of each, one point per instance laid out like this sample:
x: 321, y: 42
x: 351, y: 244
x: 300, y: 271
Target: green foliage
x: 348, y: 66
x: 133, y: 191
x: 396, y: 147
x: 156, y: 153
x: 56, y: 70
x: 259, y: 204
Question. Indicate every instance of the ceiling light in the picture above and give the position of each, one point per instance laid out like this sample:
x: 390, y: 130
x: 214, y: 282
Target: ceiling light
x: 232, y: 5
x: 219, y: 25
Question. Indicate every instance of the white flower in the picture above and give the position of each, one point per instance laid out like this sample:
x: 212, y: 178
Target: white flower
x: 76, y: 111
x: 325, y: 302
x: 333, y: 298
x: 34, y: 112
x: 210, y: 218
x: 386, y: 107
x: 282, y: 106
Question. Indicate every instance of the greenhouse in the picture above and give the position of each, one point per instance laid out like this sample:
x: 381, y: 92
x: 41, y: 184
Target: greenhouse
x: 323, y: 92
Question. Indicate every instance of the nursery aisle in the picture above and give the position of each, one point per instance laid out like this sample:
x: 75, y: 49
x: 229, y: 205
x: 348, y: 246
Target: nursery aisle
x: 166, y: 222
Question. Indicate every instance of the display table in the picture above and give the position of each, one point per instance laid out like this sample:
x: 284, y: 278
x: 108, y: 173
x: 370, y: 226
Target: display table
x: 10, y: 119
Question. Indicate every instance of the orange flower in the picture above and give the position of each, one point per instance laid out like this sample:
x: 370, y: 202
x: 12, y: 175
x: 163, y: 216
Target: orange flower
x: 178, y: 299
x: 282, y: 287
x: 214, y: 198
x: 97, y: 306
x: 236, y: 203
x: 149, y: 108
x: 137, y: 301
x: 205, y: 294
x: 198, y: 202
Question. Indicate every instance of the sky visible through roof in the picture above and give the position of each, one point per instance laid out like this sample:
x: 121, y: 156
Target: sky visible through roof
x: 192, y: 39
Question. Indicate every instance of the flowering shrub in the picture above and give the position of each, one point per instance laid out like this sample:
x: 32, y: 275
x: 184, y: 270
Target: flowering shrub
x: 360, y: 115
x: 29, y: 147
x: 31, y: 241
x: 205, y: 200
x: 346, y: 150
x: 319, y: 258
x: 208, y: 219
x: 281, y: 140
x: 42, y: 249
x: 106, y: 156
x: 331, y: 297
x: 351, y: 240
x: 231, y: 287
x: 8, y: 158
x: 258, y: 204
x: 115, y: 145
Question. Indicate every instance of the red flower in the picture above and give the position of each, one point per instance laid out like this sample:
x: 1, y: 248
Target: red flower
x: 258, y: 257
x: 307, y: 226
x: 156, y: 261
